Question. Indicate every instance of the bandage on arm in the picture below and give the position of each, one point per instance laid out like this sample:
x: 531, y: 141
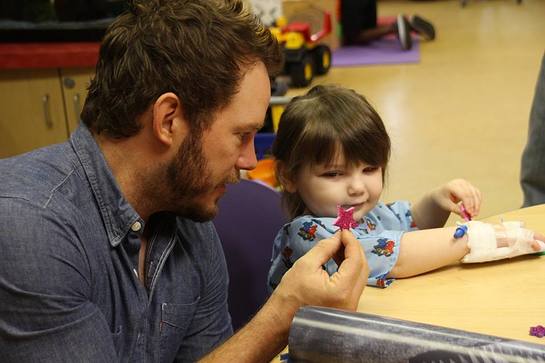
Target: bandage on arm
x: 488, y: 242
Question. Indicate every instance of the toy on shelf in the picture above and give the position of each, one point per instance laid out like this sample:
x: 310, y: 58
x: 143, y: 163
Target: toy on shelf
x: 264, y: 139
x: 277, y: 103
x: 304, y: 54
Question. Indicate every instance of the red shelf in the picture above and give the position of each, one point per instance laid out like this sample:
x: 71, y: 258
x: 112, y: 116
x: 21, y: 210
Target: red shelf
x: 48, y: 55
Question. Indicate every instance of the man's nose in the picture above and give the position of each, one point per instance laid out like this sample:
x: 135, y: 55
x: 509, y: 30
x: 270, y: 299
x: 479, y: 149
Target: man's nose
x: 247, y: 159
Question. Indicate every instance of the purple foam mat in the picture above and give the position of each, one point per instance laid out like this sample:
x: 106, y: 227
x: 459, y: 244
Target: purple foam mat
x: 383, y: 51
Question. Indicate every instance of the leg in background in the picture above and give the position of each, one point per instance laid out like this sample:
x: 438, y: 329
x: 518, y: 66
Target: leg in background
x: 359, y: 24
x: 423, y: 27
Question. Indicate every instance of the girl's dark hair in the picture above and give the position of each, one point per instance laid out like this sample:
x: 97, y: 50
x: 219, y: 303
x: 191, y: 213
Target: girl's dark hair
x: 314, y: 127
x: 194, y: 48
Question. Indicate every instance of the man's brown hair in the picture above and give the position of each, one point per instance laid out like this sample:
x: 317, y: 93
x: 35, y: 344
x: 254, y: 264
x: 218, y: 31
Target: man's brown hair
x: 197, y: 49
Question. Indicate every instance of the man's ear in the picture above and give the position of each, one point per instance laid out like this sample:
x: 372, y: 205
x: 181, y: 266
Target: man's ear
x: 168, y: 121
x: 286, y: 180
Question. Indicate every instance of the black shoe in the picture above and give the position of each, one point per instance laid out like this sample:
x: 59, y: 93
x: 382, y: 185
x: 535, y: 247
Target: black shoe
x: 422, y: 27
x: 403, y: 29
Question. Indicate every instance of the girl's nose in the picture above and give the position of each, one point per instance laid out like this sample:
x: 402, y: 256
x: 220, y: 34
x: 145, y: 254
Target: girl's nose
x: 356, y: 186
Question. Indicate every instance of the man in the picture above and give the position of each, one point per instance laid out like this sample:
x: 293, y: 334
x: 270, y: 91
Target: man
x: 532, y: 175
x: 106, y: 252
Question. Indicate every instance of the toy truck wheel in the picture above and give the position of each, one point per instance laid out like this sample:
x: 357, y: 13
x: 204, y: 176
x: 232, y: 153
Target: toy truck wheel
x: 322, y: 59
x: 302, y: 73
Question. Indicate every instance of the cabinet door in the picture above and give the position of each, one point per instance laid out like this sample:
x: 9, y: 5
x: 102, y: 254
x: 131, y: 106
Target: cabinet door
x: 75, y: 83
x: 31, y: 110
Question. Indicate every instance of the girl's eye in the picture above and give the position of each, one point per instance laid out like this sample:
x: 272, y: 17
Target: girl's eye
x: 370, y: 169
x: 331, y: 174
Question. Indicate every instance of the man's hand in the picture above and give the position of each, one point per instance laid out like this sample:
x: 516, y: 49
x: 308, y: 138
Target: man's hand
x: 307, y: 283
x: 458, y: 190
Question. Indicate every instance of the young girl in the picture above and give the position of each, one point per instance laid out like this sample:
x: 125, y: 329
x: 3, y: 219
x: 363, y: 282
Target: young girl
x: 332, y: 150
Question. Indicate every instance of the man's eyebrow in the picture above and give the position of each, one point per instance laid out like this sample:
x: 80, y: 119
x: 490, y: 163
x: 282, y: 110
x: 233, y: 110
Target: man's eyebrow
x: 252, y: 126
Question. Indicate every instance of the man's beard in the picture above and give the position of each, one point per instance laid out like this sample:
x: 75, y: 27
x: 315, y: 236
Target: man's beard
x: 188, y: 179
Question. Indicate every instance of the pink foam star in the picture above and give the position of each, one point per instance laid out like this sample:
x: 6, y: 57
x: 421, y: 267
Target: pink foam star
x: 345, y: 218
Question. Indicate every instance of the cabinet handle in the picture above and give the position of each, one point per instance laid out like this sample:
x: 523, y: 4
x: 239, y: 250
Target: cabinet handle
x: 47, y: 111
x: 77, y: 107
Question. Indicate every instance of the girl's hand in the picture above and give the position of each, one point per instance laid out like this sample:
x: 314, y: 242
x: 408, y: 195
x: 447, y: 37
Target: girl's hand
x: 455, y: 191
x: 489, y: 242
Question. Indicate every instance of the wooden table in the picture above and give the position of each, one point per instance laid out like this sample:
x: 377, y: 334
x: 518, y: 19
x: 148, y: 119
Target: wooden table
x: 502, y: 298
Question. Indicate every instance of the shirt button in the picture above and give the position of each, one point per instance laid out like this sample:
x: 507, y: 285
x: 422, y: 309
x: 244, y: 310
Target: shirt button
x: 136, y: 226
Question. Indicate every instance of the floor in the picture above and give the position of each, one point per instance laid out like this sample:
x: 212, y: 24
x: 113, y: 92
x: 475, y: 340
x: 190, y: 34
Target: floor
x: 463, y: 110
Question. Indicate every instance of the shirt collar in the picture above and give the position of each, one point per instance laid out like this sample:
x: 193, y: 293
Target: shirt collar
x: 116, y: 212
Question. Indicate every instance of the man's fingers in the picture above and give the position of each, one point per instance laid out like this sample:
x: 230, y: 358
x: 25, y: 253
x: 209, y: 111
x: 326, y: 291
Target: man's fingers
x: 353, y: 269
x: 324, y: 250
x: 354, y: 259
x: 338, y: 256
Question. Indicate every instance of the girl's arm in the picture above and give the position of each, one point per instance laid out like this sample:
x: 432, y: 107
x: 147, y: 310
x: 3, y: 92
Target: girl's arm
x: 426, y: 250
x: 433, y: 210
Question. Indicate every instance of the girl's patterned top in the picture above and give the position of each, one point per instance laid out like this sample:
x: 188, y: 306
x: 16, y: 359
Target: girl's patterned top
x: 379, y: 232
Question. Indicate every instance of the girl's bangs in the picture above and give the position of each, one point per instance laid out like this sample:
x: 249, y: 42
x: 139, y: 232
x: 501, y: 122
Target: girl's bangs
x: 321, y: 146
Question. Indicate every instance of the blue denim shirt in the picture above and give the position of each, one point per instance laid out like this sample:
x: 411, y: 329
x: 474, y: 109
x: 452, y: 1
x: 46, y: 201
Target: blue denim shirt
x: 69, y: 290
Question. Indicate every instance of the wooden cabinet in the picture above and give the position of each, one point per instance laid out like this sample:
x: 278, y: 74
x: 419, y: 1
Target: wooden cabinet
x: 39, y: 107
x: 75, y: 82
x: 31, y: 110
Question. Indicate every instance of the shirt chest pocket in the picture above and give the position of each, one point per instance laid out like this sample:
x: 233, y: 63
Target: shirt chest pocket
x: 175, y: 320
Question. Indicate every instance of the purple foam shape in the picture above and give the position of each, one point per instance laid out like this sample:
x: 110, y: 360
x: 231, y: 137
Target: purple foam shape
x: 383, y: 51
x: 537, y: 331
